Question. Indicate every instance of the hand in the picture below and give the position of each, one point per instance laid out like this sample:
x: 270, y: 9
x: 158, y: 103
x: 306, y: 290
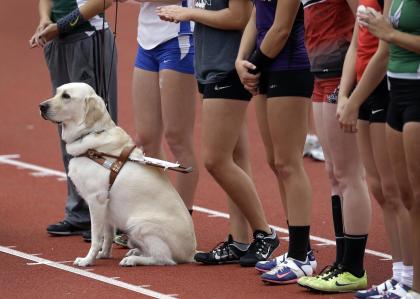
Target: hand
x: 348, y: 117
x: 34, y: 40
x: 376, y: 23
x: 47, y: 34
x: 250, y: 81
x: 173, y: 13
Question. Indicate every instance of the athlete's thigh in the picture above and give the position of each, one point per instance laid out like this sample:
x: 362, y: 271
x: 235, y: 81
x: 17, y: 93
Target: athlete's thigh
x: 260, y: 102
x: 222, y: 122
x: 147, y: 106
x: 178, y: 95
x: 366, y: 147
x: 288, y: 125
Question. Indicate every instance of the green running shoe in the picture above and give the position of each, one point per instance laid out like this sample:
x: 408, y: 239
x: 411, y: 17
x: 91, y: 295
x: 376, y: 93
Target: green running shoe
x: 338, y: 281
x: 328, y: 270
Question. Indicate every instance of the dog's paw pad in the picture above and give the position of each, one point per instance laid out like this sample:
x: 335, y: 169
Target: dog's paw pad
x: 103, y: 255
x: 128, y: 262
x: 82, y: 262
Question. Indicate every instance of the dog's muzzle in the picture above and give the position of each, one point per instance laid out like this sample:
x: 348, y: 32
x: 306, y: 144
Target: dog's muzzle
x: 43, y: 108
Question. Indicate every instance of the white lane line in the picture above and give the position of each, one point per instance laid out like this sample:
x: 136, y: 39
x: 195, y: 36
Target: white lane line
x: 9, y: 159
x: 46, y: 263
x: 85, y: 273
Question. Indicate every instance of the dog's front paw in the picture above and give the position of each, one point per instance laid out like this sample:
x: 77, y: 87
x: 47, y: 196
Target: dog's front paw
x: 128, y: 261
x: 104, y: 255
x: 82, y: 262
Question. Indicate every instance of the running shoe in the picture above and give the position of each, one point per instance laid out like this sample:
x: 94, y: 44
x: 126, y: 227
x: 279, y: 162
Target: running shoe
x: 338, y: 281
x: 64, y: 228
x: 398, y: 292
x: 412, y: 295
x: 317, y: 153
x: 121, y: 240
x: 265, y: 266
x: 288, y: 272
x: 380, y: 289
x: 260, y: 249
x: 224, y: 253
x: 328, y: 270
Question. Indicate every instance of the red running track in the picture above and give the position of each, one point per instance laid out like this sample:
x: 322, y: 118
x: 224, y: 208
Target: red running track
x: 32, y: 195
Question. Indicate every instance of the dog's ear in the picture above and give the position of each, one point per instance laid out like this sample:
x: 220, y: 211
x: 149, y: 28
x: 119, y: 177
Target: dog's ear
x: 93, y: 111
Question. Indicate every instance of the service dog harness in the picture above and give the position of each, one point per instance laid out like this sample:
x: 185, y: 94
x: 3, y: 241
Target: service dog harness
x: 118, y: 164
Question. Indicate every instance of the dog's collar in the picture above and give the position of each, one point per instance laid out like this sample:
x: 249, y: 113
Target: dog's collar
x: 87, y: 134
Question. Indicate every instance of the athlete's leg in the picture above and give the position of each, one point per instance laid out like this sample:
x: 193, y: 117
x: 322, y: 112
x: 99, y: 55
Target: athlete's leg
x: 221, y: 126
x: 178, y: 96
x: 411, y: 140
x: 237, y: 221
x: 261, y: 113
x: 147, y: 112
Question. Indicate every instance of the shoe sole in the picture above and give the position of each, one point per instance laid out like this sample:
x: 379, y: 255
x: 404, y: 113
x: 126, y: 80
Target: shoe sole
x: 216, y: 263
x: 75, y: 233
x: 332, y: 291
x: 269, y: 281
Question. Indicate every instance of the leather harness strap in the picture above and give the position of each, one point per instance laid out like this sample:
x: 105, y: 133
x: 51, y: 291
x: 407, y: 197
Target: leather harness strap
x: 115, y: 166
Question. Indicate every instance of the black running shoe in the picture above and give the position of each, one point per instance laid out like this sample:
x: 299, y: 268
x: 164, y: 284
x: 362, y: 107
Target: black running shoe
x: 224, y: 253
x: 64, y: 228
x: 260, y: 249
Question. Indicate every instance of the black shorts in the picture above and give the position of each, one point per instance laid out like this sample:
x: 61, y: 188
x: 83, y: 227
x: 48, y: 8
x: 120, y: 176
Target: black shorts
x: 229, y: 87
x: 289, y: 83
x: 375, y: 108
x: 404, y: 106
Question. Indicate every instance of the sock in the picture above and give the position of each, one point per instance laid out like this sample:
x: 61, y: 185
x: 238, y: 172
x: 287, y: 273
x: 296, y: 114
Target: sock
x: 190, y: 211
x: 241, y: 246
x: 397, y: 269
x: 338, y: 228
x: 354, y: 252
x: 407, y: 276
x: 298, y: 242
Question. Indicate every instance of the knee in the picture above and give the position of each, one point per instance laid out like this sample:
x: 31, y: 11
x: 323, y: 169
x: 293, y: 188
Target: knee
x: 376, y: 189
x: 179, y: 144
x: 406, y: 197
x: 284, y: 168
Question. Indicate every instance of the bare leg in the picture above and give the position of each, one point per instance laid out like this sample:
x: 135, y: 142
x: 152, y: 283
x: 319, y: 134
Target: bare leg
x: 178, y: 96
x: 221, y: 126
x: 411, y: 133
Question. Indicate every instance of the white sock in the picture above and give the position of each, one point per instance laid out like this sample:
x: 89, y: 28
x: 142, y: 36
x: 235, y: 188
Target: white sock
x: 407, y: 276
x: 311, y: 138
x: 397, y: 269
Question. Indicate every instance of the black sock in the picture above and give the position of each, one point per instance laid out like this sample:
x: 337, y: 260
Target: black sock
x: 338, y: 227
x: 191, y: 211
x: 354, y: 252
x: 298, y: 242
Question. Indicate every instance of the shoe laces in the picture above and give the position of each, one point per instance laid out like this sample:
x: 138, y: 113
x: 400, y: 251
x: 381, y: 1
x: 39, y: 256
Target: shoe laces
x: 258, y: 245
x: 337, y: 271
x: 327, y: 270
x: 221, y: 248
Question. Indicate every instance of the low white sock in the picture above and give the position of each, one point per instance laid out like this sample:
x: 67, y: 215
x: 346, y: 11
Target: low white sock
x: 397, y: 269
x: 407, y: 276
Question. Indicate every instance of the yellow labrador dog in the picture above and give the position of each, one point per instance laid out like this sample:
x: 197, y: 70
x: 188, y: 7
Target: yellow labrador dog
x: 141, y: 201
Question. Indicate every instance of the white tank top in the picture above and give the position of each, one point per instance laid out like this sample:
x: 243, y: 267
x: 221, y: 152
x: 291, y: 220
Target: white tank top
x: 152, y: 31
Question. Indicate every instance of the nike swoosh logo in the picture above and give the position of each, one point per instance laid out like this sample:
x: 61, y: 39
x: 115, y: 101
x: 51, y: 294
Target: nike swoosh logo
x: 72, y: 24
x: 221, y: 87
x: 265, y: 255
x: 376, y: 111
x: 284, y: 275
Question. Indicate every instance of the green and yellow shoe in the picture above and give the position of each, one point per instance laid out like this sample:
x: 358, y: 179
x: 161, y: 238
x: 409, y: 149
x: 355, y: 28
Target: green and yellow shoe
x: 328, y: 270
x: 338, y: 281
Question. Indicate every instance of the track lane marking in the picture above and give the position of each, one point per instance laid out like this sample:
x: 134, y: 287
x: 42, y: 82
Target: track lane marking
x: 85, y: 273
x: 43, y: 171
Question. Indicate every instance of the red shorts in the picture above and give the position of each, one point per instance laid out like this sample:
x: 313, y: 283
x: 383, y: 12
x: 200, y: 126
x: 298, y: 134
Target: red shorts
x: 326, y: 90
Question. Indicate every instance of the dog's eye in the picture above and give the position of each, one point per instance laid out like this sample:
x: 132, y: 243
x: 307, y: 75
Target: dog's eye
x: 66, y: 96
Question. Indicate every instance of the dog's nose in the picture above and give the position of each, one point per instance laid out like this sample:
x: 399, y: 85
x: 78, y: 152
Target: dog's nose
x: 43, y: 107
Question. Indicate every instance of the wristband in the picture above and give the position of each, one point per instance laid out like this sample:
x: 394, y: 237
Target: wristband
x: 260, y: 60
x: 70, y: 21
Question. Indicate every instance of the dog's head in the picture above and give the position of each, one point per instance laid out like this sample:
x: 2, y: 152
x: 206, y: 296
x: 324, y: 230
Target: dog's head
x: 78, y: 109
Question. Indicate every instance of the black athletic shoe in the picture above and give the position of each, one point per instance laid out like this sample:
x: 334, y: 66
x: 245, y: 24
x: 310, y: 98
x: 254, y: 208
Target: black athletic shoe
x: 260, y: 249
x: 87, y: 236
x: 224, y: 253
x: 64, y: 228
